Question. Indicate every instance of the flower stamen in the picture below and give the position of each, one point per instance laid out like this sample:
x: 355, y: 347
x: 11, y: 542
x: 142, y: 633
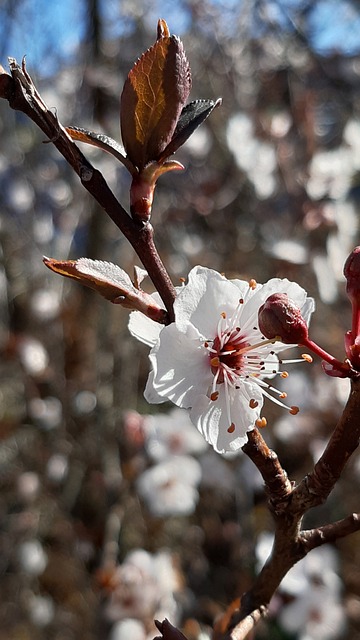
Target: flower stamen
x: 294, y: 410
x: 237, y: 353
x: 261, y: 423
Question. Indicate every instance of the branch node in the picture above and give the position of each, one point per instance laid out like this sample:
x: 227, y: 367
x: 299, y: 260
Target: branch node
x: 86, y: 173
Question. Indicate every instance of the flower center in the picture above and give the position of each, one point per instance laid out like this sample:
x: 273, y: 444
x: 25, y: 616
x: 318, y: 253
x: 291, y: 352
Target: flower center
x: 238, y: 354
x: 227, y: 356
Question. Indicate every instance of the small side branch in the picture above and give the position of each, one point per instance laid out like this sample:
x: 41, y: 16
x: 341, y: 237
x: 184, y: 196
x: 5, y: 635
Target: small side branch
x: 313, y: 538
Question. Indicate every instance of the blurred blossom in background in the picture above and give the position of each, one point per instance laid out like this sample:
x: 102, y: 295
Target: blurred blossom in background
x: 112, y: 513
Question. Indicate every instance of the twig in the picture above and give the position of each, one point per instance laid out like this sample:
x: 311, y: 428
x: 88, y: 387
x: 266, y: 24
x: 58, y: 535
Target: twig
x: 330, y: 532
x: 23, y: 96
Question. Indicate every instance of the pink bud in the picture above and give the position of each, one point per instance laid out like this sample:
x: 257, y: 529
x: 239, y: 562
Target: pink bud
x: 280, y: 317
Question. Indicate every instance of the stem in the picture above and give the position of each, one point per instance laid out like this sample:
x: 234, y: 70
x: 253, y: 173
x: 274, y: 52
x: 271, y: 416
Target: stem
x: 22, y: 95
x: 355, y: 328
x: 288, y: 507
x: 336, y: 364
x: 278, y: 485
x: 315, y: 488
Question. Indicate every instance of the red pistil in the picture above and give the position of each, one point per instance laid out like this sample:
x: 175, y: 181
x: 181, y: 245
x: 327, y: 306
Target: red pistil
x: 229, y: 355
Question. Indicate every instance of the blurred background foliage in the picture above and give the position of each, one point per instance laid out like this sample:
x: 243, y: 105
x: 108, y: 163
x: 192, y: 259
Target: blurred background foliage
x: 271, y: 188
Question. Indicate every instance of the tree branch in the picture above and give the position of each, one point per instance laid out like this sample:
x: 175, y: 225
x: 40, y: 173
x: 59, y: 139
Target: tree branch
x: 313, y: 538
x: 291, y: 544
x: 23, y: 96
x: 277, y: 483
x: 315, y: 488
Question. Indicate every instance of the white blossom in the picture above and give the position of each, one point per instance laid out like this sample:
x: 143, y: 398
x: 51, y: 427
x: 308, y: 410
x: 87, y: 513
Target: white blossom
x: 144, y: 587
x: 169, y: 434
x: 213, y: 359
x: 170, y: 487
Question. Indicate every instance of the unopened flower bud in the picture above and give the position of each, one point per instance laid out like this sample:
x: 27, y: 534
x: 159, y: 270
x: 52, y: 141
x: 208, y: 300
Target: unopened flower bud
x: 352, y: 275
x: 280, y: 317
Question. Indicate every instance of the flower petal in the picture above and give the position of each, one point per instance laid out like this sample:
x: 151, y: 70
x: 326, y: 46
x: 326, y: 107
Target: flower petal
x: 180, y: 364
x: 144, y: 329
x: 204, y: 298
x: 276, y: 285
x: 212, y: 420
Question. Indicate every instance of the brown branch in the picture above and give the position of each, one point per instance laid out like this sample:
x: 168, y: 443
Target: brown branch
x: 23, y: 96
x: 315, y: 487
x: 277, y: 483
x: 247, y: 625
x: 291, y: 544
x: 314, y: 538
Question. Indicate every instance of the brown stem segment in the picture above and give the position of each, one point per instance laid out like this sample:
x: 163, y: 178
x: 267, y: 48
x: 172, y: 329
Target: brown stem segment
x: 291, y: 544
x: 278, y: 485
x: 330, y: 532
x: 23, y: 96
x: 315, y: 488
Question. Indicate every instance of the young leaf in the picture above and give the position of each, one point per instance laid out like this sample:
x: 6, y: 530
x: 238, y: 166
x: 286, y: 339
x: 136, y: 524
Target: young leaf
x: 192, y: 116
x: 111, y: 282
x: 101, y: 141
x: 153, y: 97
x: 105, y: 277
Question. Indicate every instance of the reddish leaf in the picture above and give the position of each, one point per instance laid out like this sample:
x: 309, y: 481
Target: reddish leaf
x: 162, y: 29
x: 168, y: 631
x: 154, y: 94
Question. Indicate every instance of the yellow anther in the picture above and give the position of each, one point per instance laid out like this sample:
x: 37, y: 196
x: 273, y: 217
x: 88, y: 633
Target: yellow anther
x: 252, y: 283
x: 261, y: 423
x: 307, y: 357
